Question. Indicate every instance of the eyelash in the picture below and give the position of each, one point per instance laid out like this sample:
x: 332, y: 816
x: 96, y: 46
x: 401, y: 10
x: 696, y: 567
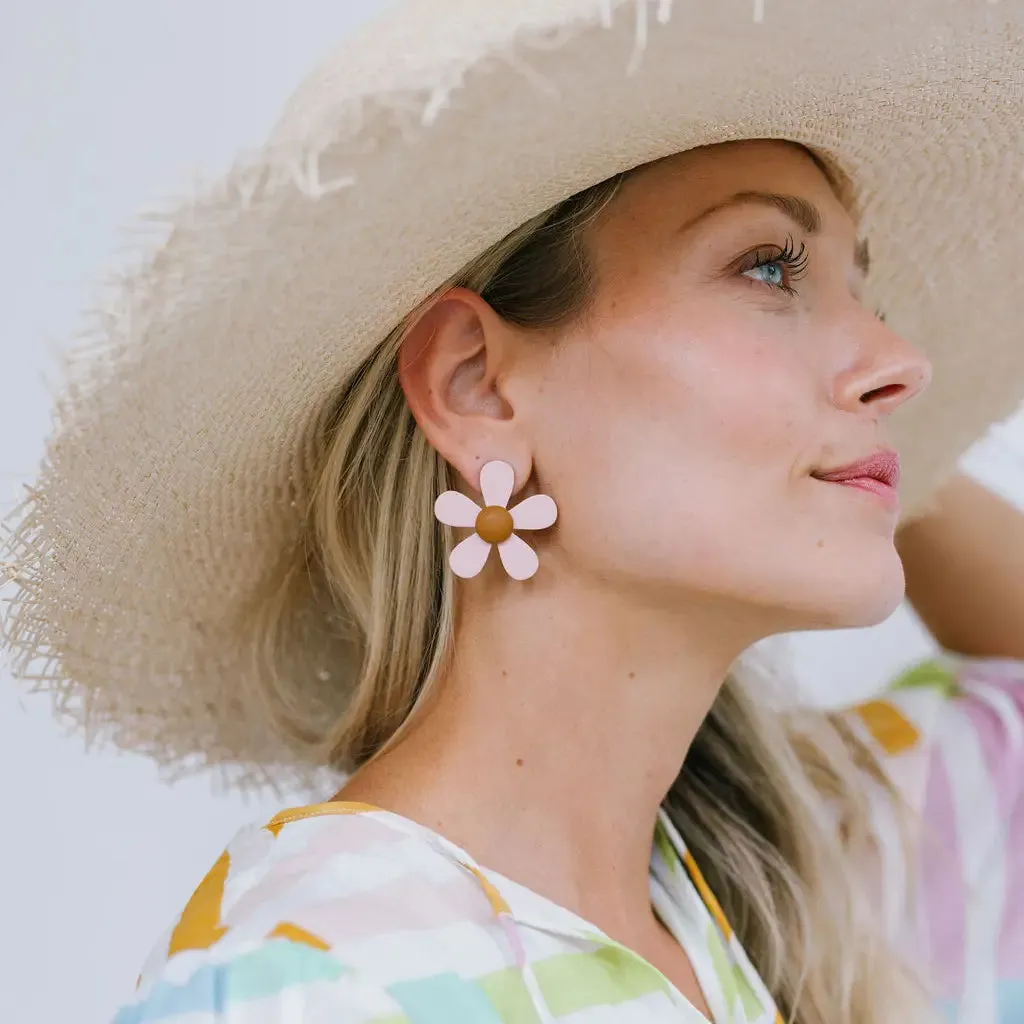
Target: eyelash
x: 795, y: 262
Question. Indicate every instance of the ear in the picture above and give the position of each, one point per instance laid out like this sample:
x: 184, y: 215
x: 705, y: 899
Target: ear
x: 451, y: 364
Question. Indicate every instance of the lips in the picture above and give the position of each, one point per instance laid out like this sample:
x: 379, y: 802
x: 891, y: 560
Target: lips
x: 878, y: 475
x: 882, y: 467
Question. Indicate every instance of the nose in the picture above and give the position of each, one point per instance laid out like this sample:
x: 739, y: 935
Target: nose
x: 886, y: 371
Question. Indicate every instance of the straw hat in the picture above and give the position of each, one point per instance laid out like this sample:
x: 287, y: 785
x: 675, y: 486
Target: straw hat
x: 174, y: 484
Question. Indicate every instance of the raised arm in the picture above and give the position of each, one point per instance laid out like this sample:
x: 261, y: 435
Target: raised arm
x: 964, y: 566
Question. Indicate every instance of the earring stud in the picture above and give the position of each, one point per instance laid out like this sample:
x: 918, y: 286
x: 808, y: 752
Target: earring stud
x: 494, y: 524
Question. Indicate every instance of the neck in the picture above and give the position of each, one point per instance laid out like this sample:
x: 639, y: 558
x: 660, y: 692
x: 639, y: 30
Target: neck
x: 549, y: 744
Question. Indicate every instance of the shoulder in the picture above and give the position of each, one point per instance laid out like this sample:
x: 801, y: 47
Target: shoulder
x: 328, y: 907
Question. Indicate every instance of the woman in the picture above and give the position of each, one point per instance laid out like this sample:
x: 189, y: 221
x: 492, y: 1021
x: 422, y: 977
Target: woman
x: 569, y: 796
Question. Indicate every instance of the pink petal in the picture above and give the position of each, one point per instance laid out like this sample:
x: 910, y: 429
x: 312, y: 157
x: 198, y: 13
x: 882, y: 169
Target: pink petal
x: 537, y: 512
x: 496, y: 482
x: 519, y: 559
x: 453, y: 508
x: 469, y: 556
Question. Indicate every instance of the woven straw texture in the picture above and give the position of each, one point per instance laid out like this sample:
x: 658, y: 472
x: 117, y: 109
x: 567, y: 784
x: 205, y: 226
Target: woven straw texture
x: 175, y: 481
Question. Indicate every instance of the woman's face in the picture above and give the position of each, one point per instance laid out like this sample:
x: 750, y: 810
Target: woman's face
x: 726, y: 359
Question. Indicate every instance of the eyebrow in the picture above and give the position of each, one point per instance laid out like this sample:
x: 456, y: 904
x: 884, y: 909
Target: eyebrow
x: 801, y: 211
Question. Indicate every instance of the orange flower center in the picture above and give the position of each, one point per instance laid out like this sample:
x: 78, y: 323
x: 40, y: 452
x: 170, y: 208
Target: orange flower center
x: 494, y: 524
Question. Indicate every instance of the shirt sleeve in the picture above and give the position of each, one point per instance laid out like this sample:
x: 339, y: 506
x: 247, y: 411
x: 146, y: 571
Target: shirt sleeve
x: 279, y: 981
x: 949, y: 734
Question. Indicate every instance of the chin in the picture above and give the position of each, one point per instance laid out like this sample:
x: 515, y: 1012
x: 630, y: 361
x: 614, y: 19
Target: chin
x: 857, y: 594
x: 871, y: 603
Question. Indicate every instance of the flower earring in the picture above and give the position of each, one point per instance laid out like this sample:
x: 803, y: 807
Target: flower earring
x: 495, y: 523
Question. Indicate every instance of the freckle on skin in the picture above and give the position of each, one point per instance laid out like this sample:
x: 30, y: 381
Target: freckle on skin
x: 632, y: 675
x: 821, y: 542
x: 519, y: 762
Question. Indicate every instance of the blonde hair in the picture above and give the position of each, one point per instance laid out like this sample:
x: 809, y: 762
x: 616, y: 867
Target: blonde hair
x: 750, y: 799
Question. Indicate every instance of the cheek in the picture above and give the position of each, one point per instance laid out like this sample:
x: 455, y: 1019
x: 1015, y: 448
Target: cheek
x: 690, y: 404
x: 660, y: 432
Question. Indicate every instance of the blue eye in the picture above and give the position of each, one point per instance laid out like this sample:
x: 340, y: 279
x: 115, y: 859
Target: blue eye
x: 775, y: 267
x: 771, y: 273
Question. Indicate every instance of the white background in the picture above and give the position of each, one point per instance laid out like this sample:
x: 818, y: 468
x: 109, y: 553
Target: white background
x: 106, y: 106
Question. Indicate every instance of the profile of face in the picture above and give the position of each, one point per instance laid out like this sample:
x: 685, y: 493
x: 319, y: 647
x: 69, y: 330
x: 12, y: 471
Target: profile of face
x: 726, y: 358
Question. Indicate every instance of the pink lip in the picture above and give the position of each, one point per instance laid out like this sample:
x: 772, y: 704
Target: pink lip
x: 868, y: 483
x: 883, y: 466
x: 878, y: 474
